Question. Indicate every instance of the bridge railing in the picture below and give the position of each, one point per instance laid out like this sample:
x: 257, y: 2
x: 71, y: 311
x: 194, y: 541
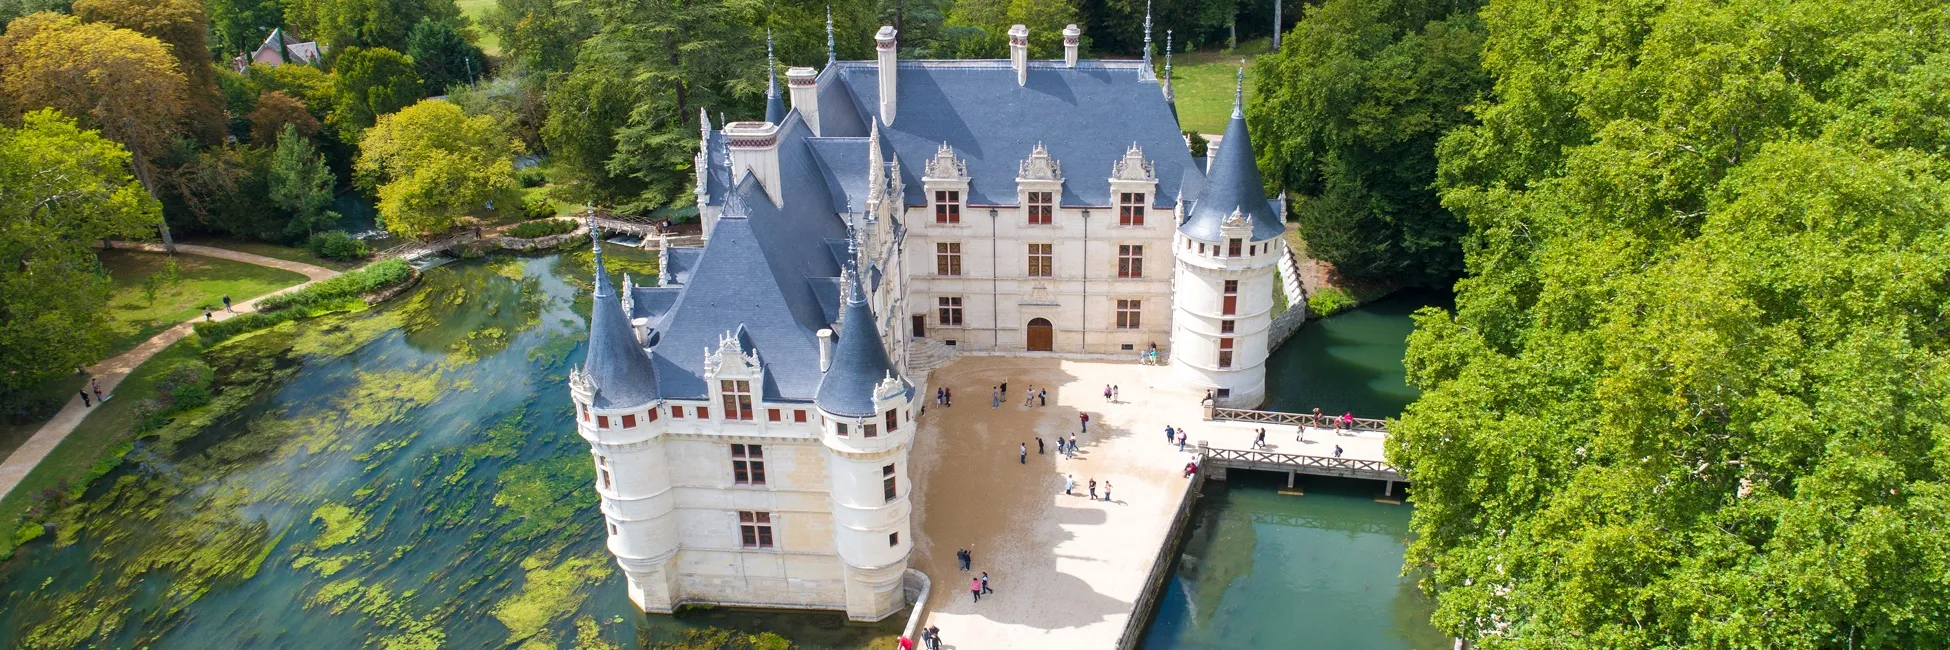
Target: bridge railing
x: 1296, y: 461
x: 1324, y: 421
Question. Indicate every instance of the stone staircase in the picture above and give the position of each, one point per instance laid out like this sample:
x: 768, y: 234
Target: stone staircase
x: 924, y: 355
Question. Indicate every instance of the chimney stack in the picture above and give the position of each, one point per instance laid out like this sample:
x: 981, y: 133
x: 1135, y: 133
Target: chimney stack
x: 1071, y: 38
x: 805, y: 96
x: 1019, y: 52
x: 889, y: 74
x: 825, y: 349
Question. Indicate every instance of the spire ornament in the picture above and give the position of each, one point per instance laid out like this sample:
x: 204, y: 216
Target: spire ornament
x: 1147, y: 34
x: 1239, y: 92
x: 832, y: 55
x: 1167, y: 84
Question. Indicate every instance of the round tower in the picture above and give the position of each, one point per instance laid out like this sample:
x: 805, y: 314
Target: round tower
x: 866, y: 410
x: 1227, y: 249
x: 617, y: 403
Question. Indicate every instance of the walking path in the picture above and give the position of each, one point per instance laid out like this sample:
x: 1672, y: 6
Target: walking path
x: 112, y: 371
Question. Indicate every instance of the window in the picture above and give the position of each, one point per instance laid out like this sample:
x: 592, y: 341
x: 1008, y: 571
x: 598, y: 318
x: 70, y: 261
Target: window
x: 893, y: 420
x: 737, y: 399
x: 676, y: 411
x: 603, y: 474
x: 1130, y: 209
x: 1130, y: 261
x: 772, y: 415
x: 1201, y: 248
x: 1225, y: 327
x: 629, y: 421
x: 947, y: 258
x: 1127, y: 314
x: 1042, y: 260
x: 1232, y: 287
x: 1225, y: 392
x: 893, y: 539
x: 703, y: 413
x: 612, y: 528
x: 799, y: 415
x: 947, y: 206
x: 887, y: 481
x: 950, y: 311
x: 1231, y: 305
x: 1042, y: 208
x: 755, y: 529
x: 748, y: 464
x: 841, y: 430
x: 1225, y: 353
x: 870, y: 430
x: 1232, y: 247
x: 651, y: 415
x: 602, y: 421
x: 585, y: 412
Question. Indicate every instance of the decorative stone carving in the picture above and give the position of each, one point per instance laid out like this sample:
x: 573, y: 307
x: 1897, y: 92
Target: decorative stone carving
x: 579, y: 381
x: 1236, y: 220
x: 1133, y: 167
x: 731, y: 361
x: 889, y: 388
x: 1039, y: 295
x: 1040, y: 167
x: 945, y: 166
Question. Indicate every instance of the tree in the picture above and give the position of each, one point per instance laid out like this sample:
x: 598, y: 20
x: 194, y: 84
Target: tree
x: 301, y: 185
x: 431, y: 163
x: 119, y: 81
x: 1347, y: 116
x: 60, y: 189
x: 443, y: 57
x: 11, y: 9
x: 585, y: 112
x: 277, y: 111
x: 1044, y: 18
x: 1693, y: 391
x: 241, y: 25
x: 181, y: 25
x: 365, y: 23
x: 225, y: 188
x: 540, y: 35
x: 371, y: 82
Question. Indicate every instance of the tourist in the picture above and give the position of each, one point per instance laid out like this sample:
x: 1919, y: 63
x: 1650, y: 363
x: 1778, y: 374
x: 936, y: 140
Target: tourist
x: 1005, y: 388
x: 1191, y: 468
x: 1107, y: 392
x: 1084, y: 418
x: 1024, y: 458
x: 995, y: 398
x: 1039, y: 445
x: 206, y: 314
x: 1259, y: 440
x: 934, y: 638
x: 1042, y: 397
x: 906, y: 644
x: 1316, y: 417
x: 962, y: 557
x: 84, y: 399
x: 226, y: 304
x: 1210, y: 397
x: 1073, y: 446
x: 1337, y: 425
x: 1171, y: 435
x: 949, y: 395
x: 1114, y: 397
x: 985, y: 583
x: 1093, y: 489
x: 1029, y: 398
x: 1181, y: 439
x: 975, y: 587
x: 1347, y: 420
x: 1069, y: 481
x: 96, y: 385
x: 940, y: 396
x: 1106, y: 489
x: 1337, y: 451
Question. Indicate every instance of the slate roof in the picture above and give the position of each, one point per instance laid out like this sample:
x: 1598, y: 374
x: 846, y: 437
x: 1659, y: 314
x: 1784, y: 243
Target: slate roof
x: 1233, y: 185
x: 678, y: 263
x: 621, y: 372
x: 843, y: 165
x: 859, y: 361
x: 1087, y: 116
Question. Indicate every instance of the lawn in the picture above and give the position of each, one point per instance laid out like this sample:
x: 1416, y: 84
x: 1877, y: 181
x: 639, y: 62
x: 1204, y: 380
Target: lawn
x: 475, y: 10
x: 98, y: 436
x: 203, y: 282
x: 1202, y: 83
x: 275, y: 251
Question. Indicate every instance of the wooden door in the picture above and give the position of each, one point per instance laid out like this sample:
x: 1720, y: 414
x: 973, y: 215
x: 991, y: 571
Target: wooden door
x: 920, y: 325
x: 1042, y: 337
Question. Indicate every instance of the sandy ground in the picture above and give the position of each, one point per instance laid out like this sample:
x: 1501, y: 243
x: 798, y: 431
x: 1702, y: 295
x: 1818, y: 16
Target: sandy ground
x: 1065, y: 569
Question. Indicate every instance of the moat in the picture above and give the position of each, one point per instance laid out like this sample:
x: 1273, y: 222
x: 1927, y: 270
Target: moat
x: 409, y: 477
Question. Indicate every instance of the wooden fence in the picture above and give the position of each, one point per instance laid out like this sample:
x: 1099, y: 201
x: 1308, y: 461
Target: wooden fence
x: 1325, y: 421
x: 1311, y: 465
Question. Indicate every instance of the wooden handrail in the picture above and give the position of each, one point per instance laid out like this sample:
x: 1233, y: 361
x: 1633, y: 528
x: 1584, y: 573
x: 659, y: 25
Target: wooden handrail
x: 1297, y: 460
x: 1294, y: 419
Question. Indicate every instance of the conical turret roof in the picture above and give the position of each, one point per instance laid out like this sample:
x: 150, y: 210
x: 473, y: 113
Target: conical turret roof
x: 859, y: 361
x: 618, y: 368
x: 1234, y: 185
x: 774, y: 105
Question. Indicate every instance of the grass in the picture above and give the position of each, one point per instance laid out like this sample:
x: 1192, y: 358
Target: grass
x: 108, y: 427
x: 1202, y: 83
x: 276, y: 251
x: 205, y: 280
x: 475, y: 10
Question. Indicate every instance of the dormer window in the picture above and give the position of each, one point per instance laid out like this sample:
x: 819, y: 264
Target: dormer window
x: 1232, y: 247
x: 1041, y: 206
x: 1130, y: 208
x: 947, y: 207
x: 737, y: 399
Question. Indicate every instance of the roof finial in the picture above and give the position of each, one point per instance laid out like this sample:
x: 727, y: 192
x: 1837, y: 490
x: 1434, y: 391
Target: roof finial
x: 1239, y: 93
x: 1167, y: 65
x: 596, y: 245
x: 1147, y: 33
x: 771, y: 66
x: 832, y: 55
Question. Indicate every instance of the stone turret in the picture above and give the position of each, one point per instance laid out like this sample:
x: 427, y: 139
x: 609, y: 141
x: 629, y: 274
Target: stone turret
x: 867, y: 407
x: 617, y: 372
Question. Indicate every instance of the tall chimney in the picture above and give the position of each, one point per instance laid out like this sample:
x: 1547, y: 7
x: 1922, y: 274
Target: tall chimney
x: 805, y: 96
x: 1071, y: 37
x: 825, y: 349
x: 889, y: 72
x: 1019, y: 52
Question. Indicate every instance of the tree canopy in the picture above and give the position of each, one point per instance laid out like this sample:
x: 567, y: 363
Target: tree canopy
x: 431, y: 164
x: 274, y: 112
x: 61, y: 189
x: 181, y: 24
x: 1693, y: 394
x: 371, y: 82
x: 301, y: 185
x: 443, y: 57
x: 365, y: 23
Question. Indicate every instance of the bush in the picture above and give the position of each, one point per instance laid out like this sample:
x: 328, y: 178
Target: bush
x: 531, y: 176
x: 213, y: 332
x: 537, y: 207
x: 1329, y: 301
x: 1197, y: 143
x: 336, y: 245
x: 542, y: 228
x: 373, y: 277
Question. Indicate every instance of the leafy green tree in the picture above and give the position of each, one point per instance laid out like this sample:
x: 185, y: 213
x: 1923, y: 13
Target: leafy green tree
x: 223, y: 190
x: 301, y: 185
x: 1044, y: 18
x: 443, y: 56
x: 1347, y: 117
x: 540, y: 35
x: 1693, y: 391
x: 365, y: 23
x: 61, y: 188
x: 431, y: 163
x: 239, y: 26
x: 371, y: 82
x: 585, y: 112
x: 11, y: 9
x: 182, y: 25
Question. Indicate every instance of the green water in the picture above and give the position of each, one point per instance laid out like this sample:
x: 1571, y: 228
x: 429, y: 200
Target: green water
x: 402, y: 478
x: 1265, y: 570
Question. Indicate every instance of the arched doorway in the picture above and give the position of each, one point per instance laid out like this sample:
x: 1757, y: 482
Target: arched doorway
x: 1042, y: 336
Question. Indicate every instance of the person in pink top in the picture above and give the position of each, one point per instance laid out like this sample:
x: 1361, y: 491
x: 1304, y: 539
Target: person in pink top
x: 975, y: 587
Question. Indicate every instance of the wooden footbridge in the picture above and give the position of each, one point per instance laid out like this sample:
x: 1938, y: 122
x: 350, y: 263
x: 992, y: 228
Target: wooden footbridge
x: 1362, y: 458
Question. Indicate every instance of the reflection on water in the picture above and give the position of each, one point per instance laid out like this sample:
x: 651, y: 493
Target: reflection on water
x: 403, y: 478
x: 1350, y: 362
x: 1265, y: 570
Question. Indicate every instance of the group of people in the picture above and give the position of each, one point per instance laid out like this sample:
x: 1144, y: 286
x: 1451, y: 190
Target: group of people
x: 1175, y: 436
x: 930, y: 639
x: 1342, y: 421
x: 976, y: 585
x: 1149, y: 356
x: 95, y: 386
x: 1070, y: 487
x: 944, y: 397
x: 1110, y: 393
x: 1068, y: 448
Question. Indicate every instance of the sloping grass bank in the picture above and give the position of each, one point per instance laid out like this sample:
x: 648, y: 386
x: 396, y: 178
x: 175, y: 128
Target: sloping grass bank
x: 342, y: 293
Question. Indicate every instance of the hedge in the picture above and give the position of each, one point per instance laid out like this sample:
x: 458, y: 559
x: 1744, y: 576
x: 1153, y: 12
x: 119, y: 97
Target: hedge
x: 373, y: 277
x: 541, y: 228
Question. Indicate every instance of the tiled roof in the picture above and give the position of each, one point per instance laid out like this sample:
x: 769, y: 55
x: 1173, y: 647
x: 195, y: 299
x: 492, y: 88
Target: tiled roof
x: 1234, y: 185
x: 859, y: 361
x: 619, y: 369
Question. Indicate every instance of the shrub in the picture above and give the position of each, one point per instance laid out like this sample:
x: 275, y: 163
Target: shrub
x: 537, y: 207
x: 1197, y: 143
x: 531, y: 176
x: 543, y: 228
x: 213, y: 332
x: 336, y: 245
x: 1329, y: 301
x: 373, y: 277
